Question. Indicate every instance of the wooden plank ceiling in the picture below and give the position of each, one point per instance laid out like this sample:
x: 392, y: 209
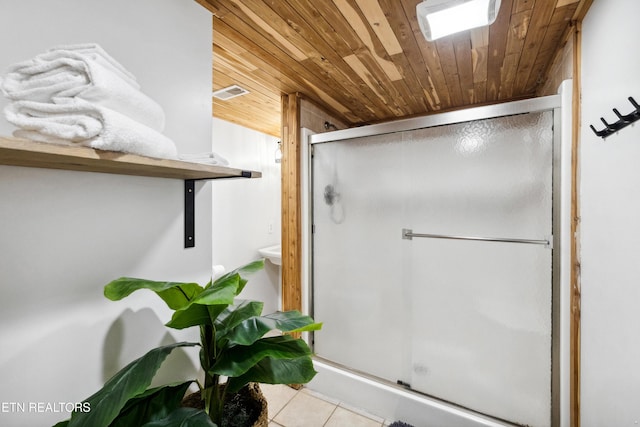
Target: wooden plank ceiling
x: 366, y: 61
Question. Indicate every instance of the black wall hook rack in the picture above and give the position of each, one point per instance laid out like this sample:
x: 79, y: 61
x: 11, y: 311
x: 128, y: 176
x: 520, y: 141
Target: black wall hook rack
x: 624, y: 120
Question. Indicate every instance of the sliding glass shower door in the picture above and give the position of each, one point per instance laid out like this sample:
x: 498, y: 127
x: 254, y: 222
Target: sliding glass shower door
x: 432, y: 263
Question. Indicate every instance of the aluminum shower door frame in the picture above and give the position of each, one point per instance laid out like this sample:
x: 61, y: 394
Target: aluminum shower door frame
x: 561, y: 207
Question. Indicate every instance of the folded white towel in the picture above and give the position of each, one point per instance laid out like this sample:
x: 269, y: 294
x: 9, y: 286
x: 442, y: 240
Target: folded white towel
x: 82, y: 122
x: 208, y: 158
x: 96, y: 52
x: 88, y: 51
x: 85, y: 72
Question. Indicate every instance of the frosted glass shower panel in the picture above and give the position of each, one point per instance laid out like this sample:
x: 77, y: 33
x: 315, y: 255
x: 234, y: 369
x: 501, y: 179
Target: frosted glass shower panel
x: 481, y: 311
x: 467, y: 322
x: 358, y: 255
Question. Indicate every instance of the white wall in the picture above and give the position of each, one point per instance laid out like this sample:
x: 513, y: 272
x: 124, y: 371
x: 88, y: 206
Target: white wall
x: 610, y: 206
x: 246, y: 213
x: 64, y: 234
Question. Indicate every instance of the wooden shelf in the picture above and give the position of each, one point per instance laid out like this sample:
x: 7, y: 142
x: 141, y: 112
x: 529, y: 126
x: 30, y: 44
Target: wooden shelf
x: 21, y: 152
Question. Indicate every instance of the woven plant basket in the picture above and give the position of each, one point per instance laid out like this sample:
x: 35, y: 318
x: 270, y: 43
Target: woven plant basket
x: 251, y: 395
x: 256, y: 394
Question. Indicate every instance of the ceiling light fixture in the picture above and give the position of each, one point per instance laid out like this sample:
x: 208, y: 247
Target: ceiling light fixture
x: 439, y: 18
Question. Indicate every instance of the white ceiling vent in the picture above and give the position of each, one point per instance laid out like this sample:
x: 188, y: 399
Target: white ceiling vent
x: 230, y: 92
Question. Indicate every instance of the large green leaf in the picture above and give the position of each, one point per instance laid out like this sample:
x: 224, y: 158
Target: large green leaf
x: 243, y: 271
x: 275, y: 371
x: 221, y: 293
x: 254, y: 328
x: 204, y: 309
x: 238, y: 312
x: 175, y: 294
x: 232, y: 316
x: 153, y: 404
x: 193, y: 315
x: 239, y: 359
x: 131, y: 381
x: 183, y: 417
x: 179, y: 296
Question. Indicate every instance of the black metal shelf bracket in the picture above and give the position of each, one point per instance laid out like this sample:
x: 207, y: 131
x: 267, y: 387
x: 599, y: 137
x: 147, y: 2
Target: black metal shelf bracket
x: 624, y: 120
x: 189, y: 213
x: 190, y: 207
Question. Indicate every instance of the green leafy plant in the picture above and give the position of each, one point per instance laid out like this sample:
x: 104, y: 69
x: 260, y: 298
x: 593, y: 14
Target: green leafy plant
x: 232, y: 346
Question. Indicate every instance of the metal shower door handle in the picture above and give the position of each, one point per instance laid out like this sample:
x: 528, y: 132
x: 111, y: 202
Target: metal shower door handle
x: 408, y: 234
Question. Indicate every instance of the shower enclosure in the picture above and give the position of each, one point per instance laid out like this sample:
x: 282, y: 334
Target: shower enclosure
x: 435, y: 261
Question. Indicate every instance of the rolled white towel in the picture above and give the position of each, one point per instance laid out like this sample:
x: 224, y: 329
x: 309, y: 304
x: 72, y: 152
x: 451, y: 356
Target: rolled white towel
x: 81, y: 122
x: 85, y: 72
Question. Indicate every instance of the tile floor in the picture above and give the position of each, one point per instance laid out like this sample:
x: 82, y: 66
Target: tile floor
x: 306, y: 408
